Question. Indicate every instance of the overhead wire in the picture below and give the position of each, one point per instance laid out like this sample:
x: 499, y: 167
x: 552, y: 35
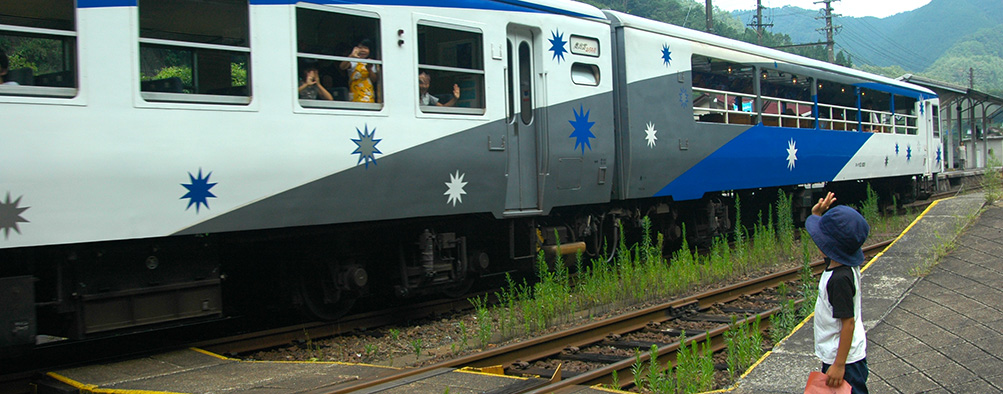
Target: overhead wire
x: 906, y: 53
x: 885, y: 51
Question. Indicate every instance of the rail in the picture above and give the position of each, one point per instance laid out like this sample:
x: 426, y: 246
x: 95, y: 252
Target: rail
x: 553, y: 344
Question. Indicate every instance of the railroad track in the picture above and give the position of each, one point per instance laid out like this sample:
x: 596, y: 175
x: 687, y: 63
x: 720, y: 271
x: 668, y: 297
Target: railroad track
x: 623, y: 332
x: 352, y: 323
x: 247, y: 342
x: 17, y: 374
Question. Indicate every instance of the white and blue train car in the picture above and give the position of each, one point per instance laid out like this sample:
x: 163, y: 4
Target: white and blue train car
x: 161, y: 163
x: 163, y: 148
x: 699, y: 114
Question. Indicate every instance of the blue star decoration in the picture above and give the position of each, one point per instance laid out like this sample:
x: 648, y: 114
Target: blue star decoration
x: 10, y: 216
x: 198, y: 190
x: 886, y: 161
x: 557, y: 45
x: 666, y: 55
x: 583, y: 128
x: 908, y: 153
x: 896, y: 149
x: 366, y: 146
x: 938, y: 155
x: 684, y: 98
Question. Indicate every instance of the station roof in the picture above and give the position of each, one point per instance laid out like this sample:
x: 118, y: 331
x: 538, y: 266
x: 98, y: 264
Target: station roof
x: 943, y: 88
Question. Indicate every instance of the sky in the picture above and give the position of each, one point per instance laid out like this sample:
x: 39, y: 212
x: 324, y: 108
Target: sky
x: 857, y: 8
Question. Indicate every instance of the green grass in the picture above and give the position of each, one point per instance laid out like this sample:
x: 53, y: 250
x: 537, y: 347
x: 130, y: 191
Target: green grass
x: 639, y: 273
x: 992, y: 181
x: 745, y: 346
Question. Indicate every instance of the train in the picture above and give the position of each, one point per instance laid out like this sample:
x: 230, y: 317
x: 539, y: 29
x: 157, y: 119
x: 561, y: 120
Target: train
x: 161, y: 166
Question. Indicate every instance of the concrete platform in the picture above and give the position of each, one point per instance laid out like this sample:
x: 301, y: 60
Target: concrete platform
x: 198, y: 371
x: 939, y: 333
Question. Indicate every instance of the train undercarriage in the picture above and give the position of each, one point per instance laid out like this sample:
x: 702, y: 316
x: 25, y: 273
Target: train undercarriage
x: 85, y: 290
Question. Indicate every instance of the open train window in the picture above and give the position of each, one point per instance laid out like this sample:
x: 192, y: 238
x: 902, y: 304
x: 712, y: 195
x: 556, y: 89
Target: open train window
x: 722, y: 91
x: 40, y: 40
x: 837, y: 105
x: 331, y: 72
x: 450, y: 55
x: 195, y: 51
x: 785, y: 99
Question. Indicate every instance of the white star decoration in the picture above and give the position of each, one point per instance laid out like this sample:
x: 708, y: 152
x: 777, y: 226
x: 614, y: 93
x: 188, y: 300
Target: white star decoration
x: 455, y: 191
x: 792, y: 154
x: 650, y: 131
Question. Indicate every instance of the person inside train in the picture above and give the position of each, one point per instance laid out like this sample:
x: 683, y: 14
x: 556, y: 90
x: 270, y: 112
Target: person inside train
x: 4, y: 66
x: 361, y: 76
x: 310, y: 86
x: 426, y: 98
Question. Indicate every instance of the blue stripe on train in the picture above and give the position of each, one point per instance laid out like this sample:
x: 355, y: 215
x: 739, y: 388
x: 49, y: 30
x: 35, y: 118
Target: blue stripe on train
x: 105, y: 3
x: 499, y: 5
x: 759, y: 157
x: 901, y: 91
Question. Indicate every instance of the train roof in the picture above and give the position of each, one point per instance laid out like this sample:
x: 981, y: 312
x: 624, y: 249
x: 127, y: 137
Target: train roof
x: 878, y: 82
x: 561, y: 7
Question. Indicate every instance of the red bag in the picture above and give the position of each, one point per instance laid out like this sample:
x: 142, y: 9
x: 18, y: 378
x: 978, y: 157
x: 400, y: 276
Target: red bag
x: 816, y: 385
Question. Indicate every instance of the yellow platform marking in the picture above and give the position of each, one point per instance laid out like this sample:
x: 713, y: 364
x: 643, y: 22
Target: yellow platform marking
x: 806, y: 319
x: 488, y: 371
x: 90, y: 388
x: 221, y: 357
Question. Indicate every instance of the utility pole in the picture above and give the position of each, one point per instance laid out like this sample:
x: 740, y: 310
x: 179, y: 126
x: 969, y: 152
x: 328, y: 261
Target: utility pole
x: 829, y: 29
x: 710, y: 17
x: 758, y: 24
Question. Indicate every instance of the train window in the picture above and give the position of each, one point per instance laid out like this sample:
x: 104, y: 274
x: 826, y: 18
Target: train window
x: 936, y: 121
x: 585, y: 74
x: 525, y: 83
x: 905, y: 119
x: 510, y: 103
x: 450, y: 55
x: 40, y: 40
x: 195, y: 51
x: 875, y: 114
x: 837, y: 106
x: 786, y: 99
x: 332, y: 72
x: 722, y: 91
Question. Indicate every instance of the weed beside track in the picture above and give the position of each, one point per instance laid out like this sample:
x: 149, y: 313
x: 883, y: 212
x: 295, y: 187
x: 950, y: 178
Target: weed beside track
x: 636, y: 276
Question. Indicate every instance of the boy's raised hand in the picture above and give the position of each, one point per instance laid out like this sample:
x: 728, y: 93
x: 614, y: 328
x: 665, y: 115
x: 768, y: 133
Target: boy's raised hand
x: 823, y: 204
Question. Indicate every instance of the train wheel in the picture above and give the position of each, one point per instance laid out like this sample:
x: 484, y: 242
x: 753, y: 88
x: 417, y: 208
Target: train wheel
x: 460, y: 289
x: 319, y: 296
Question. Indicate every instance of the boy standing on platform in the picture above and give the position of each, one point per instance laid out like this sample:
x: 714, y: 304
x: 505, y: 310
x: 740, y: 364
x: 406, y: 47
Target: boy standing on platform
x: 839, y: 329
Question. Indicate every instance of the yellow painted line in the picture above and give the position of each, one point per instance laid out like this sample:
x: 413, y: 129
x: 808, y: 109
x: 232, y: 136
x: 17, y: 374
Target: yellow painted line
x: 90, y: 388
x: 221, y: 357
x: 208, y: 353
x: 477, y: 371
x: 921, y: 215
x: 600, y: 387
x: 803, y: 322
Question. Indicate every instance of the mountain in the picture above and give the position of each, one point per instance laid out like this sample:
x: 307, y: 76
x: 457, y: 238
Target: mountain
x: 913, y: 40
x: 940, y: 40
x: 981, y: 51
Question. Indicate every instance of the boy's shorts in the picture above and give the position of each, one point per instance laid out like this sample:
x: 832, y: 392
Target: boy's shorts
x: 855, y: 375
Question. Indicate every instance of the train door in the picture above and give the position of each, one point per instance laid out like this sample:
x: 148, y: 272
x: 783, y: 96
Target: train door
x: 523, y: 135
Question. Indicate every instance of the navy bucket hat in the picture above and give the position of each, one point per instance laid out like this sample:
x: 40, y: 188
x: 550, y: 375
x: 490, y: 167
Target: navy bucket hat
x: 839, y: 234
